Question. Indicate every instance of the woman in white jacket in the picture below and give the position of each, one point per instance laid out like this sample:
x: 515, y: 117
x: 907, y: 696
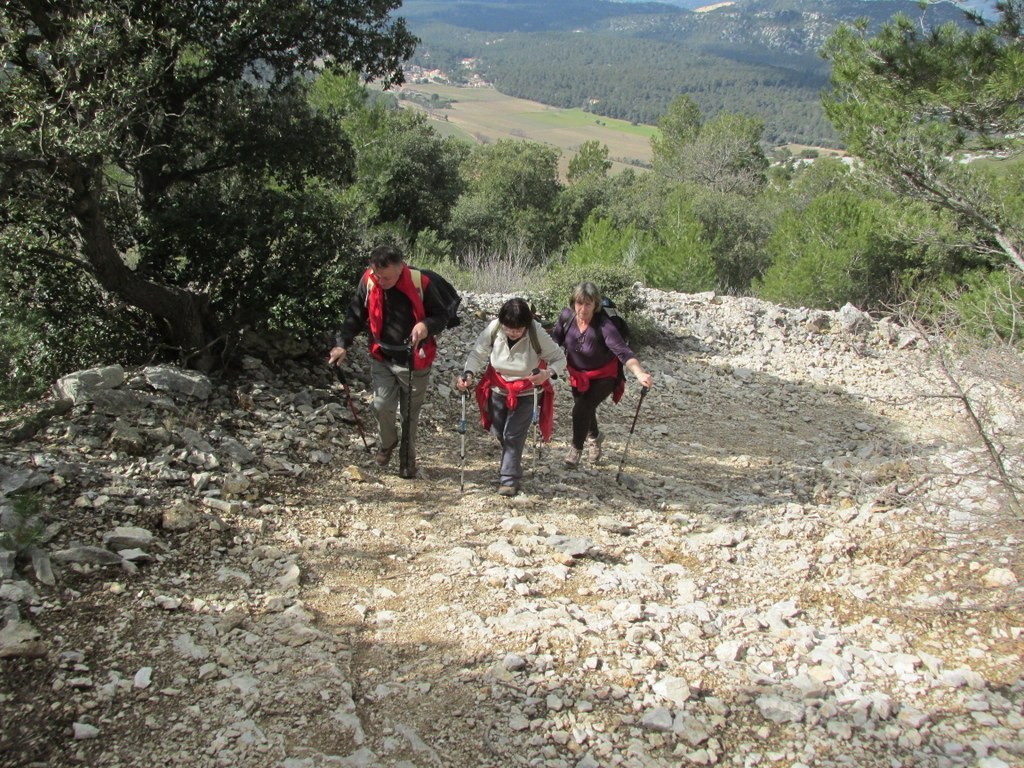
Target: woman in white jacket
x: 521, y: 360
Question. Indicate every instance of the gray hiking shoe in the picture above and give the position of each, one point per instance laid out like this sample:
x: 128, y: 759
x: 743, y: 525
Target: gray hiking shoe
x: 594, y: 452
x: 572, y: 458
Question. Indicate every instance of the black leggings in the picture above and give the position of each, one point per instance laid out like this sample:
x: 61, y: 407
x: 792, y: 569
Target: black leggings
x: 584, y: 409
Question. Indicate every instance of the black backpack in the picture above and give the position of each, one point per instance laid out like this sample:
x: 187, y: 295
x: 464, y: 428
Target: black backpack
x: 613, y: 314
x: 449, y: 296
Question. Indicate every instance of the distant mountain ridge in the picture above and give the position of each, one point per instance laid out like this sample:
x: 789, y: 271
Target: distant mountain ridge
x: 545, y: 15
x: 629, y: 60
x: 985, y: 7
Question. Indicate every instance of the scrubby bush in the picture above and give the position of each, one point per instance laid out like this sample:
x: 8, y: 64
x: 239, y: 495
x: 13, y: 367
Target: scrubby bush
x: 603, y: 244
x: 980, y: 304
x: 682, y: 258
x: 51, y: 324
x: 838, y: 249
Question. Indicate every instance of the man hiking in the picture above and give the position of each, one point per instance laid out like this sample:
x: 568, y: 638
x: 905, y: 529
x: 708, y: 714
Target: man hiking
x: 401, y: 319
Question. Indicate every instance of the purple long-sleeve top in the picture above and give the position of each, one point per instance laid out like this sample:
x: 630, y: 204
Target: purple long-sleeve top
x: 595, y: 346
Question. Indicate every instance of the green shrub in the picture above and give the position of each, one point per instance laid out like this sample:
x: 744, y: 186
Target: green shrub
x: 683, y: 259
x: 838, y: 249
x: 52, y: 324
x: 433, y: 252
x: 21, y: 346
x: 602, y: 243
x: 982, y: 304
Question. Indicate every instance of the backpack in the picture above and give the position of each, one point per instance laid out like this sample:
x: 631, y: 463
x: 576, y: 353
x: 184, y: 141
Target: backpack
x: 450, y: 298
x: 613, y: 314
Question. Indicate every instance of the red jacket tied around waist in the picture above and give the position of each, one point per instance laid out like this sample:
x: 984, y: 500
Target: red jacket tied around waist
x: 492, y: 378
x: 580, y: 380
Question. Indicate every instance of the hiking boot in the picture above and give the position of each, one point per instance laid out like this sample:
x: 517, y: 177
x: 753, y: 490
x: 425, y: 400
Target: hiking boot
x: 408, y: 473
x: 383, y: 456
x: 507, y: 490
x: 572, y: 458
x: 594, y: 452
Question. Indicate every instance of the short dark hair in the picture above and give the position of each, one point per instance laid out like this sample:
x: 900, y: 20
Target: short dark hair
x: 385, y: 256
x: 515, y: 313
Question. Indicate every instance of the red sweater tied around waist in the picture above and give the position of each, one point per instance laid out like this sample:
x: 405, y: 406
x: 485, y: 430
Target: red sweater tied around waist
x: 580, y: 380
x: 491, y: 378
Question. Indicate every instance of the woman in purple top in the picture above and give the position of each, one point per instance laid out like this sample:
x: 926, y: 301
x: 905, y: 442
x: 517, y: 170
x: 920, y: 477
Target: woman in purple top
x: 594, y: 348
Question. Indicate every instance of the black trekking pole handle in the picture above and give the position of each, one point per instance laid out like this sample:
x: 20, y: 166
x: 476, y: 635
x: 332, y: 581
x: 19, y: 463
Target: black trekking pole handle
x: 351, y: 406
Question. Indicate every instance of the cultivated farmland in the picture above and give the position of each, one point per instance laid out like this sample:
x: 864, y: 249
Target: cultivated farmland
x: 484, y: 115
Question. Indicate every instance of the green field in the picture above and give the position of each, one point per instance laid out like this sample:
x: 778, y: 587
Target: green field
x: 483, y: 115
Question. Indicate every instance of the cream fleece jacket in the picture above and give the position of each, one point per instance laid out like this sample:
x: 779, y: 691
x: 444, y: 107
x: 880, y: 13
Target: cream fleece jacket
x: 516, y: 361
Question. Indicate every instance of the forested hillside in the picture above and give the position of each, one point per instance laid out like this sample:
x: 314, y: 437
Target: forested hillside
x: 176, y: 196
x: 629, y: 61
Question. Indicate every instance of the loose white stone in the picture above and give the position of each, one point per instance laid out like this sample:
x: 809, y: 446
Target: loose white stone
x: 779, y: 710
x: 730, y: 650
x: 999, y: 577
x: 674, y: 689
x: 657, y: 719
x: 143, y: 678
x: 84, y: 731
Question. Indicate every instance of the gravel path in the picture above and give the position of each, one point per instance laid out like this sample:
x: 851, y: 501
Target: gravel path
x: 780, y: 577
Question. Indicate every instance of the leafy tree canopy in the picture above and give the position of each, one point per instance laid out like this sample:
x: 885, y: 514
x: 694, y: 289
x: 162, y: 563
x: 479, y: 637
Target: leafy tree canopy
x: 723, y: 154
x: 168, y: 152
x: 590, y: 160
x: 511, y: 190
x: 912, y: 104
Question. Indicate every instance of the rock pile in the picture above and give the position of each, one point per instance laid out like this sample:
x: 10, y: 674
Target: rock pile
x: 216, y: 573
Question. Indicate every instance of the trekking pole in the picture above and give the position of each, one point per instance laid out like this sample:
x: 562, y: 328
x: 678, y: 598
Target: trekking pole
x: 643, y: 394
x: 404, y: 470
x: 535, y: 418
x: 351, y: 406
x: 462, y: 449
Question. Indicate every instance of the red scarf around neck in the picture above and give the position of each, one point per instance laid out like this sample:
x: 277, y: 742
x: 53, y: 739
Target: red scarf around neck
x: 375, y: 311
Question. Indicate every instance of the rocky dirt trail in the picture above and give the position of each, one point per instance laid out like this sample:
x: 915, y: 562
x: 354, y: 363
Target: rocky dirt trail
x: 221, y: 576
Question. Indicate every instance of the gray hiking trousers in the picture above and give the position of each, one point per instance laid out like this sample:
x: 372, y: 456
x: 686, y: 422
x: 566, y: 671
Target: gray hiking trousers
x: 512, y: 428
x: 390, y: 387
